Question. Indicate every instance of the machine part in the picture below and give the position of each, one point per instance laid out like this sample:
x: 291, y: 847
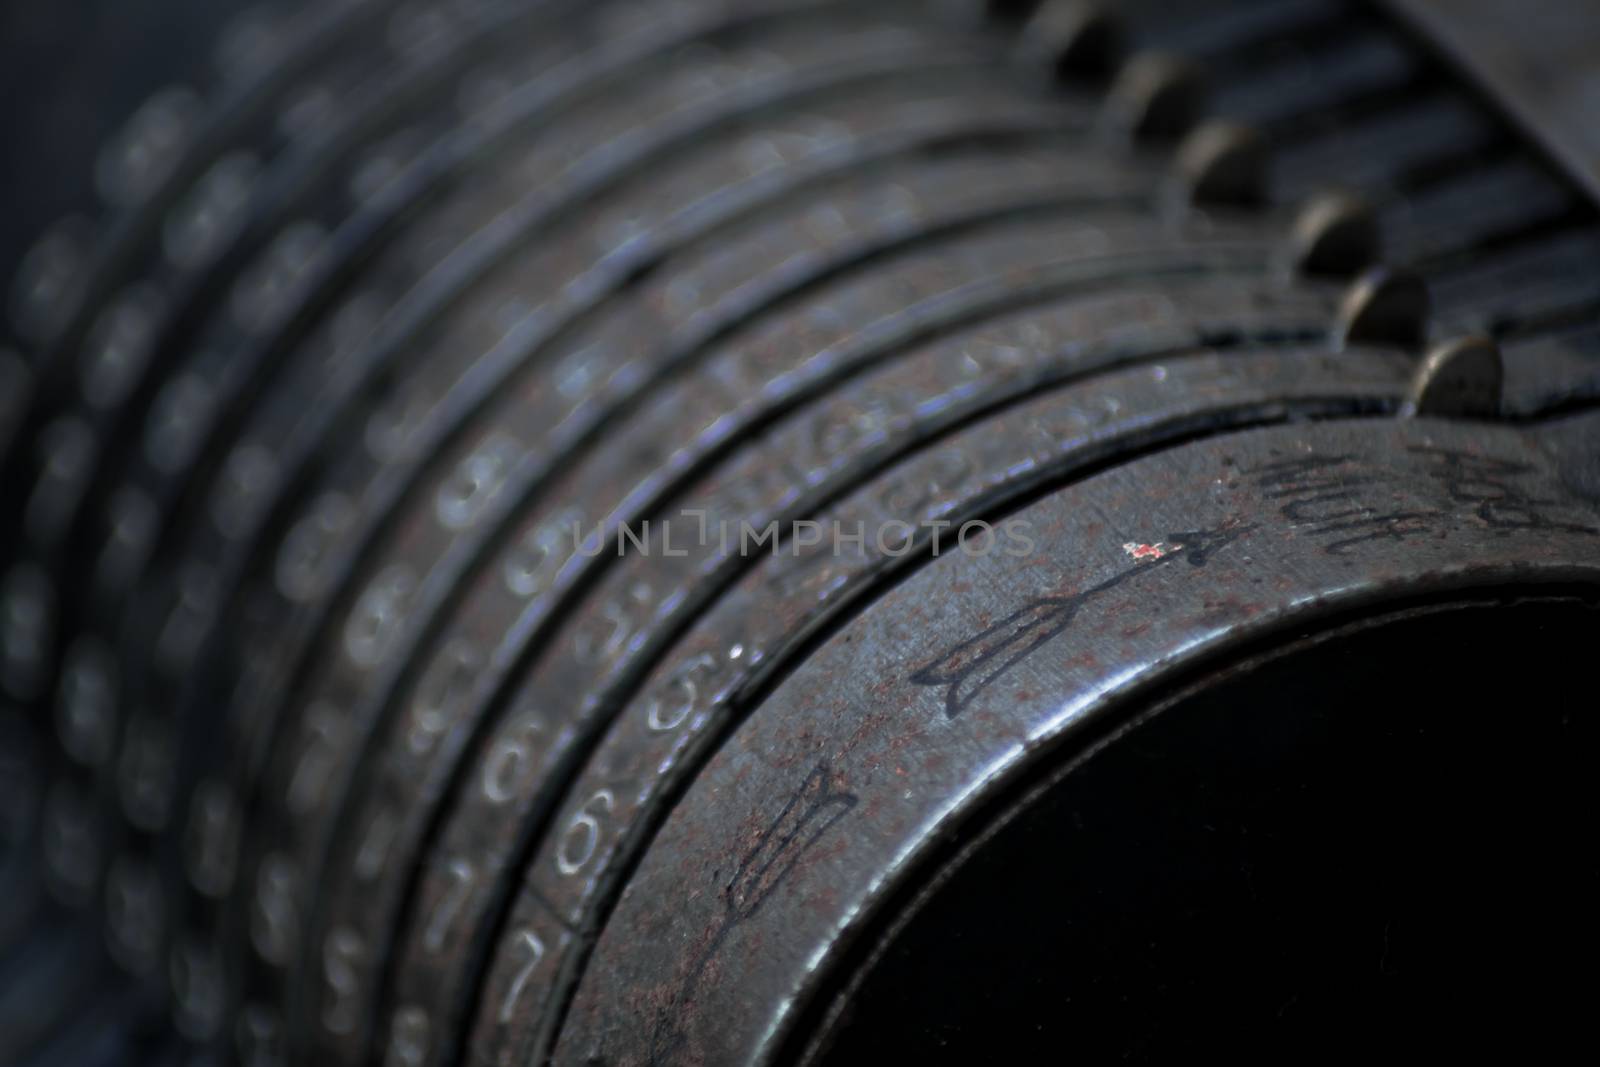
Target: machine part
x: 612, y: 532
x: 830, y: 793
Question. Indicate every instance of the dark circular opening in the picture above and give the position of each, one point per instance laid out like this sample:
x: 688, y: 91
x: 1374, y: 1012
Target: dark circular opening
x: 1369, y: 845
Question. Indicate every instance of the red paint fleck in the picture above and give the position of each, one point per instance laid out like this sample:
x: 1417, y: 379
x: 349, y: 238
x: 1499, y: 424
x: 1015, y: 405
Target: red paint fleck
x: 1141, y: 551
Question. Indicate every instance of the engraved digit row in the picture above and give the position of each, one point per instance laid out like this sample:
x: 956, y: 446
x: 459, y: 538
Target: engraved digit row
x: 965, y: 192
x: 210, y: 795
x: 508, y: 604
x: 656, y: 591
x: 534, y: 939
x: 258, y: 461
x: 146, y: 754
x: 203, y: 395
x: 152, y: 218
x: 346, y: 947
x: 66, y: 503
x: 208, y: 372
x: 61, y: 286
x: 364, y: 236
x: 144, y: 745
x: 463, y: 500
x: 431, y: 475
x: 173, y: 596
x: 376, y: 490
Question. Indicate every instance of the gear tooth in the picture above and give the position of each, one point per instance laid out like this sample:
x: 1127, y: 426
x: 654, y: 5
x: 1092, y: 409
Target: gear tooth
x: 1074, y: 40
x: 1156, y: 96
x: 1224, y: 163
x: 1385, y: 306
x: 1335, y: 235
x: 1462, y: 377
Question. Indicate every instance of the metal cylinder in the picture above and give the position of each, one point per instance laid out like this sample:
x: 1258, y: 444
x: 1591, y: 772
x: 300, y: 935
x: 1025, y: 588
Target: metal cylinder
x: 716, y: 532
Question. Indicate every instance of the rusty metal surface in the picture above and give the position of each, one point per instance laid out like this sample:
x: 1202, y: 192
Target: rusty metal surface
x: 666, y: 101
x: 492, y: 603
x: 522, y: 464
x: 741, y: 106
x: 980, y: 664
x: 751, y: 628
x: 327, y: 697
x: 810, y: 351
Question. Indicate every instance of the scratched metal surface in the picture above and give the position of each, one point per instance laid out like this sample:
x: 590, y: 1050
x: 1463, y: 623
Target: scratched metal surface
x: 756, y: 628
x: 319, y: 724
x: 981, y: 663
x: 426, y: 541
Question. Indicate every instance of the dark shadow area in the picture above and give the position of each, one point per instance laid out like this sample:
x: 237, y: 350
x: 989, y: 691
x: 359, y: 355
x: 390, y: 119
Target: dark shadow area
x: 1372, y: 847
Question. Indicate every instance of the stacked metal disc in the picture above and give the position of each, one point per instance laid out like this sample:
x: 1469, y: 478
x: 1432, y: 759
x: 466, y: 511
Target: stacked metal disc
x: 536, y: 529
